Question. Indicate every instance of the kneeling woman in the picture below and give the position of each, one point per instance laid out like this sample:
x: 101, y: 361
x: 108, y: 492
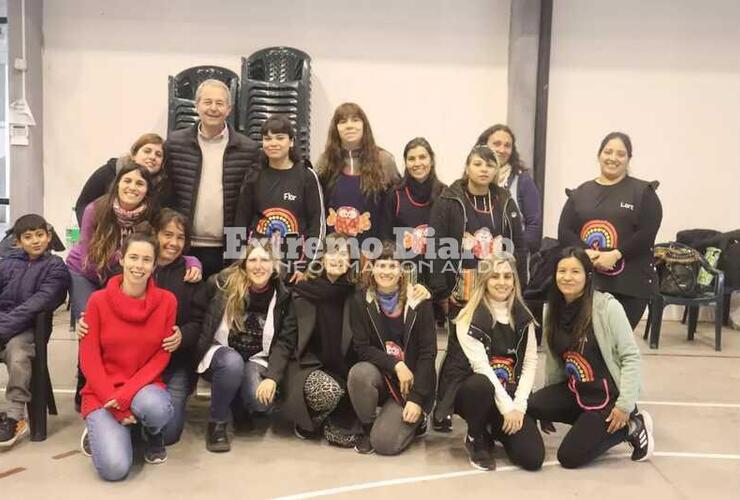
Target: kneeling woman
x: 395, y: 340
x: 247, y: 304
x: 490, y: 369
x: 122, y: 359
x: 592, y: 369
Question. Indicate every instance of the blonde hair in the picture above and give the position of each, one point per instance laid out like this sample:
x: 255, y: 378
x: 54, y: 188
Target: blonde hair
x: 236, y: 285
x: 486, y: 269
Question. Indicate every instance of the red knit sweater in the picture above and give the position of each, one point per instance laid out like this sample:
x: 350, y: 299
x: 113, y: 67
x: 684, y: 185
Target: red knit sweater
x: 122, y: 351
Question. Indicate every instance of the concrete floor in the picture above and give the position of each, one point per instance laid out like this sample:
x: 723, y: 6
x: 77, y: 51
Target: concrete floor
x: 692, y: 392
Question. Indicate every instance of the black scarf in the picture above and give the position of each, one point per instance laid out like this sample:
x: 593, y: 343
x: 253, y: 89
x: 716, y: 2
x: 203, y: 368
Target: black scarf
x: 421, y: 192
x: 329, y: 300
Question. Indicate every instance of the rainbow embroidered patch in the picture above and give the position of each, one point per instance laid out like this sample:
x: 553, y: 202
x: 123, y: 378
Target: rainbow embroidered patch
x: 503, y: 368
x: 602, y: 235
x: 277, y: 220
x: 577, y: 368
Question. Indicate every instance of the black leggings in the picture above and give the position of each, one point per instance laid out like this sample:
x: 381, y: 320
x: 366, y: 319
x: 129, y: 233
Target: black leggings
x: 587, y: 438
x: 633, y: 306
x: 474, y: 402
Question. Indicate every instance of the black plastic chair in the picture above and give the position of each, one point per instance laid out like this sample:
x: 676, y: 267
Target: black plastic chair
x: 42, y: 392
x: 276, y: 80
x: 715, y: 299
x: 181, y: 94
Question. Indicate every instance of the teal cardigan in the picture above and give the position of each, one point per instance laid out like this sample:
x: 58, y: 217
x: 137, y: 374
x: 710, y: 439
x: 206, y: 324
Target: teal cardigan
x: 617, y: 345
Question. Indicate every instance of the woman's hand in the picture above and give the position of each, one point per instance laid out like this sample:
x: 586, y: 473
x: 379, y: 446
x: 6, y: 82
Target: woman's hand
x: 411, y: 413
x: 130, y: 420
x: 513, y: 422
x: 547, y: 426
x: 112, y: 404
x: 617, y: 419
x: 297, y: 277
x: 171, y: 343
x: 82, y: 327
x: 419, y: 292
x: 405, y: 378
x: 266, y: 391
x: 593, y: 255
x: 607, y: 260
x: 193, y: 275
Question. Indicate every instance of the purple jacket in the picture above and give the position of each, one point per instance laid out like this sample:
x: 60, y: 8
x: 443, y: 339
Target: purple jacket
x: 28, y: 287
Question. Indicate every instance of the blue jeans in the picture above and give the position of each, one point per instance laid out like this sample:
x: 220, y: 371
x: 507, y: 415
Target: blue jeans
x: 79, y: 293
x: 180, y: 384
x: 231, y: 377
x: 110, y: 442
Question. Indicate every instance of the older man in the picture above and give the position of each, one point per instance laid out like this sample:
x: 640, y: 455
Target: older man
x: 206, y: 164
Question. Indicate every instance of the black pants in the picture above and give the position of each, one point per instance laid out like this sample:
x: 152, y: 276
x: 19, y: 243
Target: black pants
x: 212, y: 259
x: 633, y: 306
x: 474, y: 402
x: 587, y: 438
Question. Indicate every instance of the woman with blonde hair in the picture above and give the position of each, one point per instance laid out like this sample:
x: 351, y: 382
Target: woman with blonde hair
x: 247, y: 306
x: 489, y: 371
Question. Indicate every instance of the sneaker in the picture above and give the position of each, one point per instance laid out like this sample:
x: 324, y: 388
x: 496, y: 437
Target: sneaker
x: 11, y: 430
x: 479, y: 453
x: 423, y: 429
x: 85, y: 444
x: 363, y: 444
x: 641, y: 436
x: 304, y: 434
x: 443, y: 425
x: 217, y: 437
x: 154, y: 450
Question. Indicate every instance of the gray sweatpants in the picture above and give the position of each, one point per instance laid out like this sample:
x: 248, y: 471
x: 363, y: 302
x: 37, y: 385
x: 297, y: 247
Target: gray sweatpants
x: 390, y: 435
x: 17, y: 355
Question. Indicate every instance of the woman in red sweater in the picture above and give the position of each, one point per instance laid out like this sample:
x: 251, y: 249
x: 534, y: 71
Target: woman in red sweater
x: 122, y: 359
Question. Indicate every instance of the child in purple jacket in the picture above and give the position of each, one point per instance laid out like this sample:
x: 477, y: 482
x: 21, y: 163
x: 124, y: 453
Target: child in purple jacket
x: 32, y: 280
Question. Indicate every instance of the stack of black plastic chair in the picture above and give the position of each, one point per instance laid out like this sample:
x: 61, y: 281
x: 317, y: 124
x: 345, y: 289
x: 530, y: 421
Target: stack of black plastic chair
x: 182, y: 87
x: 277, y: 80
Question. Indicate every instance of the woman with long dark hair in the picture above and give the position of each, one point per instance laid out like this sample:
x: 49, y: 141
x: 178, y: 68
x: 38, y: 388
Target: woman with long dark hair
x: 616, y: 217
x: 592, y: 370
x: 355, y: 175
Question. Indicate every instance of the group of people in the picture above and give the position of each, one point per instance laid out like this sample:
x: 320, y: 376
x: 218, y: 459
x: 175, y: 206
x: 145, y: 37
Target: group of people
x: 344, y: 341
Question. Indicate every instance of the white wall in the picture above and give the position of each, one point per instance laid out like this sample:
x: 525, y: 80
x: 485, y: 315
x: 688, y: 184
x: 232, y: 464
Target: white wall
x: 436, y: 68
x: 668, y: 73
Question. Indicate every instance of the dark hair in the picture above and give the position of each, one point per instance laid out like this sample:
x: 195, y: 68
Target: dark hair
x: 617, y: 135
x: 484, y: 152
x: 332, y: 244
x: 372, y: 177
x: 279, y: 124
x: 140, y: 237
x: 556, y: 300
x: 167, y: 215
x: 29, y: 222
x: 106, y: 238
x: 517, y: 166
x: 437, y: 185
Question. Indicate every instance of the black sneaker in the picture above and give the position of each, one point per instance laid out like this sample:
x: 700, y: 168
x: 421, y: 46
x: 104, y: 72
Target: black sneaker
x: 363, y: 444
x: 479, y: 453
x: 154, y: 450
x: 305, y: 434
x: 11, y: 430
x: 443, y: 425
x: 217, y: 437
x: 641, y: 436
x: 85, y: 444
x: 423, y: 429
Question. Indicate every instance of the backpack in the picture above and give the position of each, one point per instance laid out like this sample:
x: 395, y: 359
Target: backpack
x: 678, y: 268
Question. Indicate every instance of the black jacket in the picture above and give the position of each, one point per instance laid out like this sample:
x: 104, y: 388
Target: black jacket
x: 449, y: 220
x: 456, y: 367
x: 185, y: 161
x: 191, y: 303
x: 420, y: 344
x: 213, y: 298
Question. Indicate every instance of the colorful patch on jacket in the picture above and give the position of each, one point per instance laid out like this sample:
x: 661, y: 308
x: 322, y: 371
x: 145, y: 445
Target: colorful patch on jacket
x: 577, y: 367
x: 503, y: 367
x: 348, y: 221
x: 482, y: 243
x: 602, y: 235
x: 394, y: 350
x: 277, y: 220
x: 416, y: 239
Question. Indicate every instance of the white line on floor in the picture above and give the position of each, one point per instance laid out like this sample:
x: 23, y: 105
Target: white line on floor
x: 688, y: 403
x: 452, y: 475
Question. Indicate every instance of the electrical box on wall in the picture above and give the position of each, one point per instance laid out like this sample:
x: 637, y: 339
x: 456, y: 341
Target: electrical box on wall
x: 18, y: 135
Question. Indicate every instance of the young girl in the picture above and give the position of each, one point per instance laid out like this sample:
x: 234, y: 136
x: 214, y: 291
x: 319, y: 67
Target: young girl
x: 283, y: 200
x: 490, y: 368
x: 355, y: 174
x: 477, y: 214
x: 247, y: 306
x: 312, y: 363
x: 122, y: 359
x: 592, y: 371
x: 396, y: 344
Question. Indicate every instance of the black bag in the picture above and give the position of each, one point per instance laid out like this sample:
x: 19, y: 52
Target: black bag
x: 678, y: 269
x: 729, y: 262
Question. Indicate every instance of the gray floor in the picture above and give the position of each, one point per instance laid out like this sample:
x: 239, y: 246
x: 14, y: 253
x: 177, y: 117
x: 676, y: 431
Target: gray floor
x: 692, y: 392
